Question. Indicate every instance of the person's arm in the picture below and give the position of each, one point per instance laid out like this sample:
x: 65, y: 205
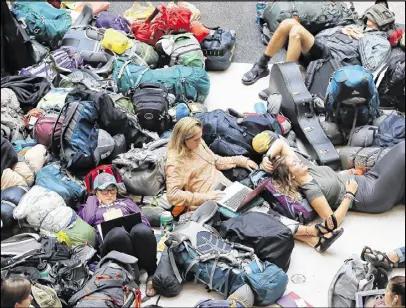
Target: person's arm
x: 226, y: 163
x: 279, y: 147
x: 87, y: 212
x: 175, y: 193
x: 324, y: 210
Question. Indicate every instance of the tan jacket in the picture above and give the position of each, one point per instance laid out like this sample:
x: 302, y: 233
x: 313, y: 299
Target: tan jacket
x: 189, y: 178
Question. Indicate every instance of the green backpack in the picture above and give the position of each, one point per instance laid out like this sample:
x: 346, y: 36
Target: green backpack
x: 142, y: 54
x: 186, y: 83
x: 47, y: 24
x: 183, y: 49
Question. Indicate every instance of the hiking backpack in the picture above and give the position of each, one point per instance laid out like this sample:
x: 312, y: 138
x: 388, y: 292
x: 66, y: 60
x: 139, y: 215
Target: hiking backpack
x: 391, y: 131
x: 198, y: 254
x: 54, y: 99
x: 47, y: 24
x: 89, y: 178
x: 227, y: 137
x: 185, y: 82
x: 151, y: 107
x: 112, y: 20
x: 351, y: 98
x: 53, y: 177
x: 113, y: 284
x: 352, y: 277
x: 79, y: 134
x: 392, y: 87
x: 183, y: 49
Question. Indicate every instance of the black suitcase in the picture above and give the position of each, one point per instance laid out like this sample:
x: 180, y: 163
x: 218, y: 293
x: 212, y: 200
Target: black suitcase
x: 297, y: 105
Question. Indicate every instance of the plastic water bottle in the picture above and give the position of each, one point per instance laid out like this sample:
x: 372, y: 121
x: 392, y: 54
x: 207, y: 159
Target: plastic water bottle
x: 166, y: 222
x: 44, y: 269
x: 260, y: 7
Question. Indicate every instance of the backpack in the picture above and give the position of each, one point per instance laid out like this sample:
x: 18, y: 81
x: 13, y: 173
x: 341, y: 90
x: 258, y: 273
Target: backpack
x: 185, y: 82
x: 170, y: 20
x: 47, y: 24
x: 375, y: 50
x: 318, y: 74
x: 151, y: 107
x: 142, y: 54
x: 44, y: 127
x: 351, y: 97
x: 227, y: 137
x: 79, y: 134
x: 89, y: 178
x: 218, y: 47
x: 111, y: 20
x: 381, y: 15
x: 222, y: 266
x: 315, y: 17
x: 84, y: 79
x: 64, y: 59
x: 352, y: 277
x: 114, y: 283
x: 183, y: 49
x: 54, y: 99
x: 392, y: 87
x: 54, y: 178
x: 391, y: 131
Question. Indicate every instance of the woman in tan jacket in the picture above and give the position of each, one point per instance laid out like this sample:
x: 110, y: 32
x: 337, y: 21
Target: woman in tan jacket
x: 193, y: 170
x: 193, y: 175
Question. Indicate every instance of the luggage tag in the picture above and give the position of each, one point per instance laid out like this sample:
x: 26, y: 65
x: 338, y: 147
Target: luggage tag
x: 112, y: 214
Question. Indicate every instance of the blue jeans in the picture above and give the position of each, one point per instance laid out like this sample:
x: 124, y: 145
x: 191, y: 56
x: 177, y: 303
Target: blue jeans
x: 401, y: 254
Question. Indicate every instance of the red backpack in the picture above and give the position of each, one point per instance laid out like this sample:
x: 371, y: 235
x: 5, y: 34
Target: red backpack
x: 170, y: 20
x: 89, y: 179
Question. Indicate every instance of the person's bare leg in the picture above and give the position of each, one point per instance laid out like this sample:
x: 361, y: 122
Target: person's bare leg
x: 300, y: 41
x: 280, y: 36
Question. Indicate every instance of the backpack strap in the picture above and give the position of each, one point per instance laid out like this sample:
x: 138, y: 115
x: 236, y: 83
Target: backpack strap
x: 53, y: 146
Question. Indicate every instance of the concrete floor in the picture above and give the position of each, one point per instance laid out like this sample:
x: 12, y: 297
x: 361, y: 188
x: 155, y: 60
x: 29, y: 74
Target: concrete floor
x: 380, y: 231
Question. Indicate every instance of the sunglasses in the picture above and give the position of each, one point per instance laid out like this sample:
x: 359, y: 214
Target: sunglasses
x: 108, y: 191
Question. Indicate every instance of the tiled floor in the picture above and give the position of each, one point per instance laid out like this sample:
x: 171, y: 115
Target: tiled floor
x: 380, y: 231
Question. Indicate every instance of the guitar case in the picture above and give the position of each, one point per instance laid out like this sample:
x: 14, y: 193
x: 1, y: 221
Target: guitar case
x: 297, y: 105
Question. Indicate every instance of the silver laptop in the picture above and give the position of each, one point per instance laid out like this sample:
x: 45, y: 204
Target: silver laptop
x: 236, y: 196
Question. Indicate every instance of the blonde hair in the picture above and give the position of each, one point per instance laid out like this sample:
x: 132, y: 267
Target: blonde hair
x: 283, y: 179
x: 183, y: 130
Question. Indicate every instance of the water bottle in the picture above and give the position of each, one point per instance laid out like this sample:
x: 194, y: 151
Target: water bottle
x: 260, y: 7
x: 44, y: 269
x: 166, y: 222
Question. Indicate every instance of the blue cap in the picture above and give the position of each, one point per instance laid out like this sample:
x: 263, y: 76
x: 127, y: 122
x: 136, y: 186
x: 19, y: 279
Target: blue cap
x: 103, y: 180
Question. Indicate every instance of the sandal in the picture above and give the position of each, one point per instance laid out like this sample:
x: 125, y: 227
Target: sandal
x: 328, y: 241
x: 264, y: 94
x: 149, y: 289
x: 364, y: 251
x: 325, y: 226
x: 255, y: 73
x: 377, y: 259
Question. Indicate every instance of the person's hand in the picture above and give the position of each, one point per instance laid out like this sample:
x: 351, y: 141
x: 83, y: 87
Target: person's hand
x: 215, y: 195
x: 351, y: 186
x: 267, y: 165
x: 251, y: 165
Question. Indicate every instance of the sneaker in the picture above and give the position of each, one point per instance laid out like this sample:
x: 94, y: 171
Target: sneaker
x: 254, y: 74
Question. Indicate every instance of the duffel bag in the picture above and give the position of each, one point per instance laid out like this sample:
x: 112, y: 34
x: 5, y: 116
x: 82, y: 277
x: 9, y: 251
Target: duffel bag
x: 363, y: 136
x: 218, y: 47
x: 314, y: 17
x: 391, y: 131
x: 186, y: 83
x: 115, y: 41
x: 54, y: 99
x: 54, y: 178
x: 10, y: 197
x: 164, y: 280
x: 43, y: 128
x: 108, y: 20
x: 142, y: 54
x: 360, y: 158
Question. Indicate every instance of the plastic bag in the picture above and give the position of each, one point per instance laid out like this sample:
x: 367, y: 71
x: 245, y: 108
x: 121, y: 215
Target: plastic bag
x: 138, y: 12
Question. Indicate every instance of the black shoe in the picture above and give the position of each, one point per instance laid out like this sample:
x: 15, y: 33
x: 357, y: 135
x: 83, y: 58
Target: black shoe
x: 254, y: 74
x: 264, y: 94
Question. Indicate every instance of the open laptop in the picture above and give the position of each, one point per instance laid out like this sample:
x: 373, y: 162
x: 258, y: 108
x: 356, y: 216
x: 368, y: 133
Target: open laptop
x: 128, y: 222
x: 239, y: 195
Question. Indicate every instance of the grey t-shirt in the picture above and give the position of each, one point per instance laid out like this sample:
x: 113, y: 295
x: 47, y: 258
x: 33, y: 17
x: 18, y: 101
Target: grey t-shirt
x: 326, y: 182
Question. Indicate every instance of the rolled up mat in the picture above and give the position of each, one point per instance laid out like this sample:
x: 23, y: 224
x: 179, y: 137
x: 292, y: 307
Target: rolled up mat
x: 164, y: 281
x: 153, y: 213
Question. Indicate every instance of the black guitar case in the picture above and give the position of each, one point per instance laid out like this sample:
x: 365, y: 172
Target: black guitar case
x: 297, y: 105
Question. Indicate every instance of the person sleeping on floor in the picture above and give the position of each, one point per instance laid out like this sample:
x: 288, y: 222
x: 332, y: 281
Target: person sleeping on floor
x: 193, y: 172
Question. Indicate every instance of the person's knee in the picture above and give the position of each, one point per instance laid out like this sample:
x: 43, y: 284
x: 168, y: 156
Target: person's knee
x: 141, y: 230
x: 118, y: 233
x: 296, y: 32
x: 287, y: 24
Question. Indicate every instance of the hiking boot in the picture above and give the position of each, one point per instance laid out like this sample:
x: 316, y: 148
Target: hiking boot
x: 264, y: 94
x: 254, y: 74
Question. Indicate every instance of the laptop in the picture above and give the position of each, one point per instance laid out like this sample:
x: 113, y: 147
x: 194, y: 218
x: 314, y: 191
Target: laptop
x: 239, y: 195
x: 128, y: 222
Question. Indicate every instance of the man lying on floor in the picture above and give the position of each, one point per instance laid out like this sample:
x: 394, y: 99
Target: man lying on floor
x: 193, y: 173
x: 304, y: 47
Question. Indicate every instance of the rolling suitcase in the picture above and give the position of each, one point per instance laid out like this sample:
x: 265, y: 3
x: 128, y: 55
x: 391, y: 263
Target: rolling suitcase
x: 297, y: 105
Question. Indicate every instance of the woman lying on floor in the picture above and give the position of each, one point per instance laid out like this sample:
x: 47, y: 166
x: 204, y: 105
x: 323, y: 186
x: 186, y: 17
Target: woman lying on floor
x: 140, y: 242
x: 193, y: 173
x: 380, y: 189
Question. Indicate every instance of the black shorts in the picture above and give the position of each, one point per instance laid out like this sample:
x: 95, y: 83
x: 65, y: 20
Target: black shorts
x: 317, y: 51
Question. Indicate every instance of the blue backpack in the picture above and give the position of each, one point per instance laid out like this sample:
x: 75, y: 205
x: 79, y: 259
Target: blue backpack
x: 391, y: 131
x: 79, y: 134
x: 351, y: 98
x: 47, y: 24
x: 54, y: 178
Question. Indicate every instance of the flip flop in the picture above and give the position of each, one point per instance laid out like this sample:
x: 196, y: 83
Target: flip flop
x: 328, y: 241
x: 254, y: 74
